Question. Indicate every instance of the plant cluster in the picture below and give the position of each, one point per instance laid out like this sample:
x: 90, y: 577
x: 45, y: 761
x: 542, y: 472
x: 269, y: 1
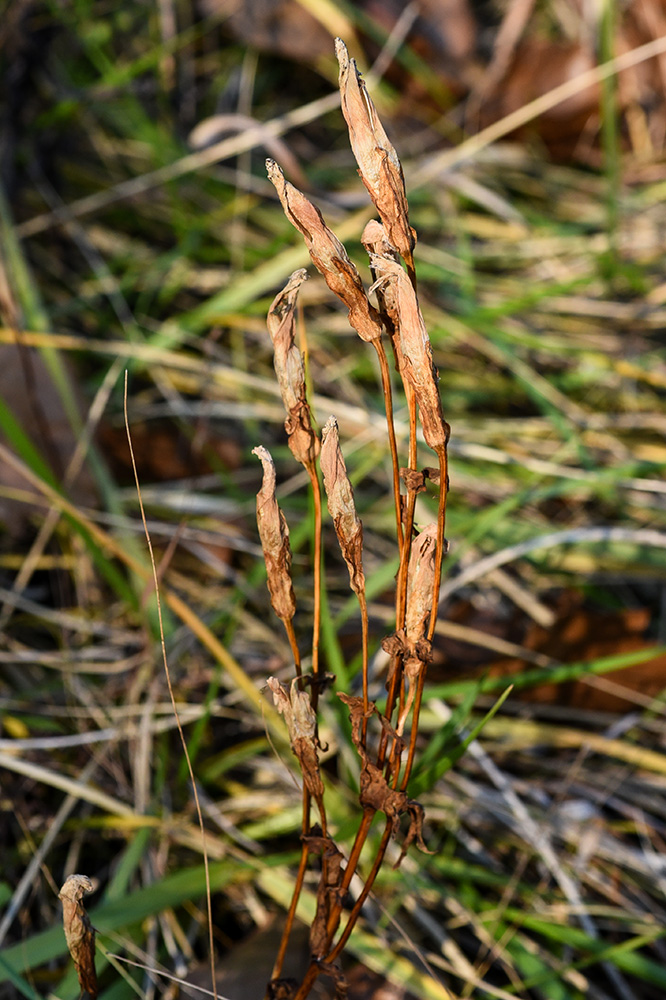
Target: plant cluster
x: 385, y: 749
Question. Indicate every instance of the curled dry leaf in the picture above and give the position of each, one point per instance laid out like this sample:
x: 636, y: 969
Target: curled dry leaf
x: 417, y: 366
x: 340, y: 497
x: 415, y: 830
x: 283, y: 988
x: 274, y: 535
x: 414, y: 479
x: 79, y: 932
x: 328, y: 255
x: 357, y: 715
x: 302, y: 727
x: 378, y: 162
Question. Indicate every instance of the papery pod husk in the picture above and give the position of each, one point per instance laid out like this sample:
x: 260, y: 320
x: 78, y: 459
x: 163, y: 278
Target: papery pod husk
x: 301, y: 721
x: 328, y: 255
x: 274, y: 536
x: 340, y: 497
x: 287, y: 357
x: 416, y: 365
x: 302, y: 440
x: 420, y: 582
x: 378, y: 163
x: 79, y: 932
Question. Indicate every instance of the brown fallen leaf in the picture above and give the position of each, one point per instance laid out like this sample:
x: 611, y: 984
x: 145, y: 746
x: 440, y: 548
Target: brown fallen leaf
x: 79, y: 932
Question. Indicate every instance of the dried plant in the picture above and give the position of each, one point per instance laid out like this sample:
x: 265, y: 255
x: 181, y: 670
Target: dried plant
x: 377, y: 733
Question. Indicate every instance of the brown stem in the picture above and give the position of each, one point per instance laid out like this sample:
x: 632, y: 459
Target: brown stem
x: 365, y: 631
x: 316, y: 617
x: 298, y: 886
x: 295, y: 652
x: 363, y: 895
x: 441, y: 540
x: 314, y: 969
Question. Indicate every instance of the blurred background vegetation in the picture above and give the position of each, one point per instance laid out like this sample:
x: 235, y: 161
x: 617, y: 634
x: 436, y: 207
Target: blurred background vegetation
x: 139, y: 233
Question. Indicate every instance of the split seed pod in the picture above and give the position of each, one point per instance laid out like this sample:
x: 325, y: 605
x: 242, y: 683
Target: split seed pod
x: 416, y: 364
x: 340, y: 497
x: 79, y: 932
x: 302, y: 727
x: 378, y: 162
x: 420, y: 582
x: 328, y: 255
x: 274, y: 535
x: 303, y: 441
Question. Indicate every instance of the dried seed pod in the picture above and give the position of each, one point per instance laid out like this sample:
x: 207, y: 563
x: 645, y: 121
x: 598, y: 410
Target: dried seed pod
x: 79, y: 932
x: 340, y: 497
x: 303, y: 441
x: 378, y: 162
x: 274, y: 535
x: 328, y: 255
x: 420, y: 580
x: 420, y: 584
x: 302, y: 727
x: 416, y: 364
x: 377, y: 245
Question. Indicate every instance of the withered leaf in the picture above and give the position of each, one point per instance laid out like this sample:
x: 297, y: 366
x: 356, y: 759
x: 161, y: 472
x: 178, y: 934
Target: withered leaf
x: 302, y: 727
x: 416, y: 363
x: 415, y: 831
x: 79, y: 932
x: 274, y: 535
x: 328, y: 255
x: 283, y: 988
x: 376, y: 794
x: 378, y: 162
x: 357, y: 714
x: 303, y: 441
x: 414, y: 479
x: 340, y: 497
